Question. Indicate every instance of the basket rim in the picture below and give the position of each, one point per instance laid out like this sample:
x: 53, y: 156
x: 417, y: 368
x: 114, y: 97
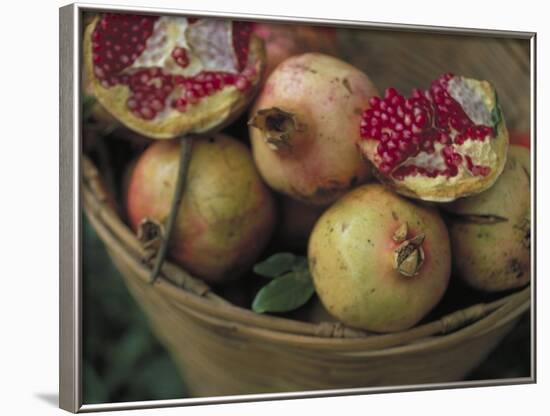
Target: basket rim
x: 193, y: 295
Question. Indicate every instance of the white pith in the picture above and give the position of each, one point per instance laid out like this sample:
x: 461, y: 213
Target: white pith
x: 428, y: 161
x: 480, y: 153
x: 208, y: 43
x: 470, y: 99
x: 475, y: 105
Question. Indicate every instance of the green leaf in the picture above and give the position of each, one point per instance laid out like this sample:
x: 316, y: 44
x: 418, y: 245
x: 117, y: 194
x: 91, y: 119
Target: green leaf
x: 88, y: 102
x: 301, y: 265
x: 284, y: 293
x: 276, y: 265
x: 496, y: 113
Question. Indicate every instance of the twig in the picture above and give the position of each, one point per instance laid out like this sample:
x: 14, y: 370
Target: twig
x: 186, y: 144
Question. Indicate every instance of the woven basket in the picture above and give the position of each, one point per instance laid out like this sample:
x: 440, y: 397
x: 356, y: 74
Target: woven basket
x: 223, y: 349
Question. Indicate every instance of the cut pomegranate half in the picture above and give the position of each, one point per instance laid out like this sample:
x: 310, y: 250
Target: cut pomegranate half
x: 440, y: 144
x: 167, y: 76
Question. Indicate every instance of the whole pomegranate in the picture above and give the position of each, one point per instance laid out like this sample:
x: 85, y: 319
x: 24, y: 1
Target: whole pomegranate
x: 491, y: 232
x: 379, y: 261
x: 285, y: 40
x: 438, y: 145
x: 226, y: 215
x: 303, y: 128
x: 165, y: 76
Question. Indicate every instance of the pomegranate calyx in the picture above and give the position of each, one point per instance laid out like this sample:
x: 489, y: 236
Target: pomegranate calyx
x: 278, y: 127
x: 400, y: 234
x: 409, y: 256
x: 150, y: 233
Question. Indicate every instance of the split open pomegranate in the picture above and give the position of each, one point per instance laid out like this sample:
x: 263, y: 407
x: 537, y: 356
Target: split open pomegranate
x: 440, y: 144
x: 168, y: 76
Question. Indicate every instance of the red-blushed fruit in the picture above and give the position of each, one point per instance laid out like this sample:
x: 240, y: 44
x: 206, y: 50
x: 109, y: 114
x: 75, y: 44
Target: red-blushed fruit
x: 520, y: 138
x: 168, y: 76
x: 285, y: 40
x: 379, y: 262
x: 226, y: 216
x: 491, y: 231
x: 440, y: 144
x: 303, y: 128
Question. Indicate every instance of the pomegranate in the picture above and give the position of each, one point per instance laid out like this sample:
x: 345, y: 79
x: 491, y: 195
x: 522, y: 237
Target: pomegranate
x: 226, y: 216
x: 285, y: 40
x: 491, y: 232
x: 303, y: 128
x: 521, y: 138
x: 168, y: 76
x: 437, y: 145
x: 379, y: 262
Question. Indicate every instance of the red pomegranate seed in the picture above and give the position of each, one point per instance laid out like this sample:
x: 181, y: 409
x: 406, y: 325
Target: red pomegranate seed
x: 416, y: 124
x: 119, y: 39
x: 241, y: 39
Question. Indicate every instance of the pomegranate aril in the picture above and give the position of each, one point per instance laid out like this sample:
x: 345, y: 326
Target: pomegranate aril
x: 447, y: 151
x: 385, y: 168
x: 403, y: 146
x: 485, y: 170
x: 108, y: 36
x: 420, y: 119
x: 390, y: 92
x: 452, y: 171
x: 374, y: 102
x: 209, y: 87
x: 241, y: 39
x: 147, y: 113
x: 180, y: 57
x: 118, y: 40
x: 191, y: 97
x: 157, y: 105
x: 132, y: 104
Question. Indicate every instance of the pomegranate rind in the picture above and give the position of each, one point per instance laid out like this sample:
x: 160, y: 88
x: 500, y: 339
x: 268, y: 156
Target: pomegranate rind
x: 442, y: 188
x: 283, y: 41
x: 227, y: 214
x: 319, y: 161
x: 491, y: 231
x: 211, y: 113
x: 351, y: 259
